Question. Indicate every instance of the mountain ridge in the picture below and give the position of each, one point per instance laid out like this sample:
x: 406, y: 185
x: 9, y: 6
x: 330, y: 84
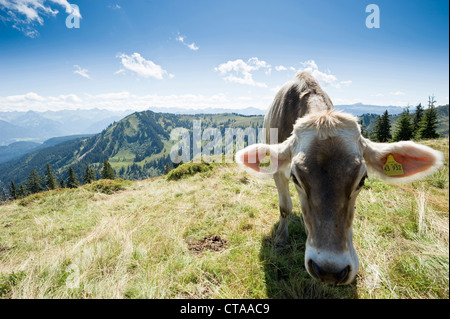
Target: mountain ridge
x: 36, y: 126
x: 137, y: 146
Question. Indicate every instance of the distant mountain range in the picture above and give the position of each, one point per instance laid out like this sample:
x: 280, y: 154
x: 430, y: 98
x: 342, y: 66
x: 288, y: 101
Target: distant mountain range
x: 137, y: 145
x: 360, y: 109
x: 18, y: 149
x: 355, y: 109
x: 37, y: 127
x: 179, y: 110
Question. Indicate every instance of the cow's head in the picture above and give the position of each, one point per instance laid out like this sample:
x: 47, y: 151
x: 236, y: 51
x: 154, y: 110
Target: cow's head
x: 328, y: 160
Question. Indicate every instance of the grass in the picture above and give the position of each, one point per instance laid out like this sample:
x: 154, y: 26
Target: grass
x: 188, y: 169
x: 107, y: 186
x: 121, y: 239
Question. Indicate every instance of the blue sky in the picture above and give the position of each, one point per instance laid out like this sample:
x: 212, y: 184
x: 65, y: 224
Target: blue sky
x: 233, y: 54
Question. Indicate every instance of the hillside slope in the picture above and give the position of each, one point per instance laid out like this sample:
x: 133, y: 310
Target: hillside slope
x: 137, y: 147
x: 210, y: 236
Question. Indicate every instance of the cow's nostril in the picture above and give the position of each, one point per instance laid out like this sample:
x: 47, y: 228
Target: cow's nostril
x: 342, y: 275
x: 316, y: 269
x: 328, y: 275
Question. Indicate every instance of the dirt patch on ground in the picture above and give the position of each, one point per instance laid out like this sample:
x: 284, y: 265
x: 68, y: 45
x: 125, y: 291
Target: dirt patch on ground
x: 213, y: 242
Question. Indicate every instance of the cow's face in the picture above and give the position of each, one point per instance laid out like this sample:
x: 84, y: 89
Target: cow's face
x: 328, y: 159
x: 328, y: 175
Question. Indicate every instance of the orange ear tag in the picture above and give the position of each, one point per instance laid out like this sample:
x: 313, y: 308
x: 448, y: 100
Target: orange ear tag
x: 266, y: 164
x: 392, y: 168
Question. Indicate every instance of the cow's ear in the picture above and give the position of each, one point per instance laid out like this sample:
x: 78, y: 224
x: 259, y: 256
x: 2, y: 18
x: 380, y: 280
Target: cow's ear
x: 401, y: 161
x: 264, y: 159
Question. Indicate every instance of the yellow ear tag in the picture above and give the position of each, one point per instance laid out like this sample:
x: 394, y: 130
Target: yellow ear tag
x: 266, y: 163
x: 392, y: 168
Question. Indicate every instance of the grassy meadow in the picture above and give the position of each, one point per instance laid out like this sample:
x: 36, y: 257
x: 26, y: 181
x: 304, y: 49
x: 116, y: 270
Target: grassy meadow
x: 209, y: 235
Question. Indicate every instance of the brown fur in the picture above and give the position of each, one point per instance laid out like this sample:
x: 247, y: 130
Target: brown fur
x: 294, y: 101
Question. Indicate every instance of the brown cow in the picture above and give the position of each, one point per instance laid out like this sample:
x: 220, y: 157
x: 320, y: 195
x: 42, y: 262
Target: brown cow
x: 328, y: 159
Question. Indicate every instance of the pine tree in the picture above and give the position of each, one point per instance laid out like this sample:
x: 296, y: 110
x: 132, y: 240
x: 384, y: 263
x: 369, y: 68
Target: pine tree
x: 72, y: 181
x: 417, y: 118
x: 90, y: 175
x: 50, y: 178
x: 429, y: 123
x: 404, y: 127
x: 167, y: 168
x: 122, y: 171
x: 22, y: 192
x: 34, y: 182
x: 107, y: 171
x: 382, y: 129
x: 13, y: 191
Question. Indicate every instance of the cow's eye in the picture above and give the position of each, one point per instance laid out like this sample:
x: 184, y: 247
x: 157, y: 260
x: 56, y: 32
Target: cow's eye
x: 361, y: 183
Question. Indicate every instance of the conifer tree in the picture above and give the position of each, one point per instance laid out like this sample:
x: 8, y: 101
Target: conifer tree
x: 34, y: 182
x: 50, y: 178
x: 404, y: 127
x: 107, y: 171
x: 90, y: 175
x: 22, y: 192
x: 72, y: 181
x: 13, y: 191
x: 122, y: 171
x: 429, y: 123
x: 167, y: 168
x: 382, y: 129
x: 417, y: 118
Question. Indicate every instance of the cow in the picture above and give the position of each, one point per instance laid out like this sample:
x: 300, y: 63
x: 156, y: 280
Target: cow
x: 323, y: 152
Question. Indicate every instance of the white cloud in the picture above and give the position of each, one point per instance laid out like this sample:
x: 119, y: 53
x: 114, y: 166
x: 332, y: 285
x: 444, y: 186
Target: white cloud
x: 342, y: 83
x: 68, y: 7
x: 111, y: 96
x: 325, y: 79
x: 82, y: 72
x: 142, y: 67
x: 31, y: 96
x: 280, y: 68
x: 124, y: 100
x: 63, y: 98
x: 398, y: 93
x: 310, y: 64
x: 25, y: 14
x: 114, y: 6
x: 238, y: 71
x: 191, y: 46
